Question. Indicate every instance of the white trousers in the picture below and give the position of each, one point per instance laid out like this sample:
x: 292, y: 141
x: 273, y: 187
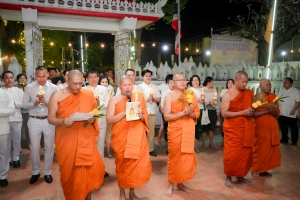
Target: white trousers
x: 4, y: 156
x: 36, y: 127
x: 15, y: 140
x: 101, y: 140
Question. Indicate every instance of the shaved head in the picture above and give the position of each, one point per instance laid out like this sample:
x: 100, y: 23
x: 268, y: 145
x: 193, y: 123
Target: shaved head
x: 264, y: 80
x: 125, y: 77
x: 178, y: 76
x: 179, y: 82
x: 265, y: 86
x: 239, y: 74
x: 73, y: 73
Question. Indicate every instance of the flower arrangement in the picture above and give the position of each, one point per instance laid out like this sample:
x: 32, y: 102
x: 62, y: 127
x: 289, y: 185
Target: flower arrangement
x: 96, y: 113
x: 279, y: 98
x: 23, y: 85
x: 189, y: 97
x: 260, y: 102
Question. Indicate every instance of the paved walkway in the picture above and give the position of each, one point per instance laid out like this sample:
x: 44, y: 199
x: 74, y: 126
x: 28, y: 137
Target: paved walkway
x: 207, y: 184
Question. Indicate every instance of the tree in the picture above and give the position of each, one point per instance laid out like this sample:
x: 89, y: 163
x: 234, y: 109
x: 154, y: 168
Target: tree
x: 12, y: 42
x: 94, y: 56
x: 253, y: 27
x: 168, y: 10
x: 53, y: 41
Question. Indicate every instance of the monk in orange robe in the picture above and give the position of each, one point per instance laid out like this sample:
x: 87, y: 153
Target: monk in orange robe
x: 181, y: 112
x: 81, y: 167
x: 266, y: 151
x: 129, y: 139
x: 238, y: 129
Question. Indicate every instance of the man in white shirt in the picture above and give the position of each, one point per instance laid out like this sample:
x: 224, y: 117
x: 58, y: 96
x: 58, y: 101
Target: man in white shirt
x: 152, y: 97
x: 36, y: 97
x: 131, y: 74
x: 15, y: 121
x: 65, y: 84
x: 288, y: 110
x: 163, y: 91
x: 7, y: 109
x: 102, y: 97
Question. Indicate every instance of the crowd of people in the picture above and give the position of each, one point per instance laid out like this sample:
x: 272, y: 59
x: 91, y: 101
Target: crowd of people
x: 188, y: 111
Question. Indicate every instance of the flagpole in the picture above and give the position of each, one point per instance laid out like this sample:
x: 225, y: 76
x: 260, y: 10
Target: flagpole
x: 179, y: 32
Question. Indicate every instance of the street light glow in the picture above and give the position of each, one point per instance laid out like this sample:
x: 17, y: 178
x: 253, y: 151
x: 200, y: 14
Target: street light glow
x: 102, y: 46
x: 13, y: 41
x: 208, y: 53
x: 165, y: 47
x: 142, y: 45
x: 153, y: 44
x: 187, y: 49
x: 51, y: 43
x: 86, y: 44
x: 283, y: 53
x: 70, y: 44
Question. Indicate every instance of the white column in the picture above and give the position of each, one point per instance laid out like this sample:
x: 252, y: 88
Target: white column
x: 29, y: 51
x: 29, y: 17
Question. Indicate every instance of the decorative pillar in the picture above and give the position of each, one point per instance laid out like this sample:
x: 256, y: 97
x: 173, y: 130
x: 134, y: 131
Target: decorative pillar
x: 33, y: 42
x: 123, y: 45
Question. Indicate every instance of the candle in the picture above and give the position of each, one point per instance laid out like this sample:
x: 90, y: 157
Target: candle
x: 41, y: 92
x: 96, y: 94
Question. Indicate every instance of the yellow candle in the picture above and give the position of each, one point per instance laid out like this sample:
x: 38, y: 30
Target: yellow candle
x: 136, y: 96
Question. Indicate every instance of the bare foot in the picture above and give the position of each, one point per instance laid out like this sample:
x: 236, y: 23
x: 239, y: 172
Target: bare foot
x: 254, y: 175
x: 169, y: 191
x: 243, y: 180
x: 204, y: 147
x: 228, y: 182
x: 132, y: 196
x: 182, y: 187
x: 122, y: 194
x: 265, y: 174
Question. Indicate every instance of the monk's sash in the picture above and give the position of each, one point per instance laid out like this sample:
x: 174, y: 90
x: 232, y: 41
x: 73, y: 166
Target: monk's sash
x: 86, y: 141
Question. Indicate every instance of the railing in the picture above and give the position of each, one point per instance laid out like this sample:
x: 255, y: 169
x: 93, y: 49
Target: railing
x: 110, y: 6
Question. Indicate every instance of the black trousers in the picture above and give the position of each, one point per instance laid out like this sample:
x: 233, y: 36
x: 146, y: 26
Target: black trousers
x: 284, y: 123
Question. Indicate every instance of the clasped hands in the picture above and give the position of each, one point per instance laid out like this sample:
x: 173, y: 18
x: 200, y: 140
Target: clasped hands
x: 41, y: 100
x: 151, y: 98
x: 188, y: 110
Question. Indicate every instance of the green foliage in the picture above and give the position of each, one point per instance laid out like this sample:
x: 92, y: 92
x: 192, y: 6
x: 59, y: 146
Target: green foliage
x: 94, y: 56
x: 168, y: 9
x: 53, y: 53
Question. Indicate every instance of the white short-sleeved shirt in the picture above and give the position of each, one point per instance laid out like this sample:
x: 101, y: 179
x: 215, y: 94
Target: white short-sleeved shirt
x: 147, y: 89
x: 163, y: 87
x: 223, y: 91
x: 163, y: 96
x: 198, y: 94
x: 286, y: 107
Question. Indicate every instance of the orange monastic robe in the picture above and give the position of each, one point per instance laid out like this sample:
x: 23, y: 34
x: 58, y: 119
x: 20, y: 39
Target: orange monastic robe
x: 182, y: 160
x: 81, y: 167
x: 239, y: 137
x: 266, y: 151
x: 130, y: 145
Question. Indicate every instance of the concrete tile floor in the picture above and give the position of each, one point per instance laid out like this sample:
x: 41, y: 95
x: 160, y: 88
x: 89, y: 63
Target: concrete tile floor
x: 207, y: 184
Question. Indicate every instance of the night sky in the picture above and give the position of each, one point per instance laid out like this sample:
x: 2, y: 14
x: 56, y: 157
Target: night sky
x: 197, y: 19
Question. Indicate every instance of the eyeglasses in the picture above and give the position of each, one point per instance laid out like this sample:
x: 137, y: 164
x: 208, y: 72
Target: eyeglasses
x: 180, y: 80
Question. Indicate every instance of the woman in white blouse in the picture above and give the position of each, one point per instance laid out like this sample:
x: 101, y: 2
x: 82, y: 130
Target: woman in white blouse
x: 195, y: 86
x: 105, y: 82
x: 229, y: 84
x: 211, y: 105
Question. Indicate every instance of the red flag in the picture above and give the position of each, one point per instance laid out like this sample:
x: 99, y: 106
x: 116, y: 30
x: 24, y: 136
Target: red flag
x: 175, y: 26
